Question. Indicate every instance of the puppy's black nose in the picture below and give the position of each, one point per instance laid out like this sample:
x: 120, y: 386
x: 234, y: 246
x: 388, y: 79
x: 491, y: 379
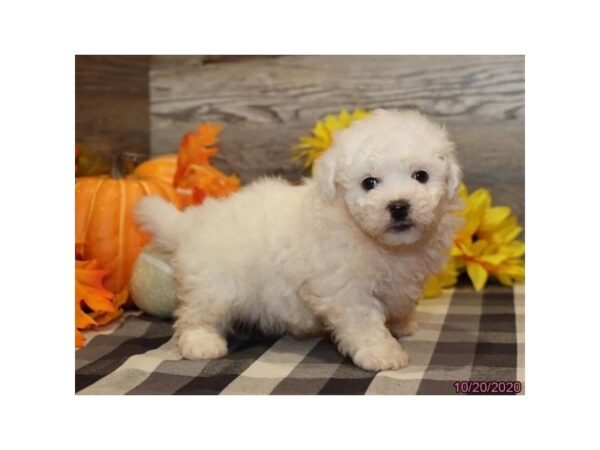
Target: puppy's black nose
x: 399, y: 209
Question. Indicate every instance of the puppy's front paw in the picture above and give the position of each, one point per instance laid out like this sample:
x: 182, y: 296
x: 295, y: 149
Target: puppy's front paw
x: 201, y: 344
x: 388, y: 355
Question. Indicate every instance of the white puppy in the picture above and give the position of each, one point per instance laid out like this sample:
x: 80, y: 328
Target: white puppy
x: 346, y: 253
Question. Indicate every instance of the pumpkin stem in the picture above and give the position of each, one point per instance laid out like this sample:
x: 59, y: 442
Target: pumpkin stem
x: 124, y: 163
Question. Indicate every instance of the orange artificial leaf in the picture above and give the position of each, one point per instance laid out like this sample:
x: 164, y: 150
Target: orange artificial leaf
x: 198, y: 195
x: 207, y: 133
x: 195, y: 175
x: 196, y: 148
x: 79, y: 338
x: 93, y: 302
x: 210, y: 180
x: 121, y: 297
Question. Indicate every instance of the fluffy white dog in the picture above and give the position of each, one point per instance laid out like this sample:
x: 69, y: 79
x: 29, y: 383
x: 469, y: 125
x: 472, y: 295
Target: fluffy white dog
x: 346, y: 253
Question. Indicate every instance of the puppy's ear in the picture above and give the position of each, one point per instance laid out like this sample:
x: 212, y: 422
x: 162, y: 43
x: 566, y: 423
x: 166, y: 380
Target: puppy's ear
x: 454, y: 174
x: 325, y: 169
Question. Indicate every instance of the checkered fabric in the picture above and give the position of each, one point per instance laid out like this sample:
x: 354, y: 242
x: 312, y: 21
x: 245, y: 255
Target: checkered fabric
x: 463, y: 336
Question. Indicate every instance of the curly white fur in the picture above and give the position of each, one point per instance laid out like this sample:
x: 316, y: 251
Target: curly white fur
x: 322, y: 257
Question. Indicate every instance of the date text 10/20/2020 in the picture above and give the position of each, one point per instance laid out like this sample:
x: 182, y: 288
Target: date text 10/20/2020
x: 488, y: 387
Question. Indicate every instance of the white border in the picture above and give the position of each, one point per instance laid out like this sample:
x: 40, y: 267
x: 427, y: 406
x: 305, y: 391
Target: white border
x: 39, y: 41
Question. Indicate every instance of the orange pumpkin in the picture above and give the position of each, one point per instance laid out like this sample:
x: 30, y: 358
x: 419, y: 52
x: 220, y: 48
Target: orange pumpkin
x: 104, y: 220
x: 162, y: 168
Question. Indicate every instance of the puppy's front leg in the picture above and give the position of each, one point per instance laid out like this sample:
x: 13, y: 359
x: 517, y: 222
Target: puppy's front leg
x: 358, y: 327
x: 406, y: 325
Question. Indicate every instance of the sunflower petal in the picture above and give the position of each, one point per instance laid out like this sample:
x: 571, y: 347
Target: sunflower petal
x: 309, y: 143
x: 512, y: 270
x: 433, y: 288
x: 358, y: 114
x: 494, y: 216
x: 478, y: 247
x: 332, y: 123
x: 477, y: 274
x: 515, y: 249
x: 479, y: 200
x: 321, y: 132
x: 344, y: 118
x: 456, y: 250
x: 494, y: 259
x: 504, y: 279
x: 509, y: 230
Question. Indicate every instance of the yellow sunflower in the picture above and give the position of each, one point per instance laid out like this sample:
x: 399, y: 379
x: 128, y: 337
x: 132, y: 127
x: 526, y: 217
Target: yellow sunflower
x: 445, y: 279
x: 486, y: 245
x: 311, y: 147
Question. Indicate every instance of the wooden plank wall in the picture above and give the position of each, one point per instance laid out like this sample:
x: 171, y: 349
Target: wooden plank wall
x: 267, y: 103
x: 112, y: 112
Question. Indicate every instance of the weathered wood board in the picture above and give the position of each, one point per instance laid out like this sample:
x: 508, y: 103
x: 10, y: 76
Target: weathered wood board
x: 112, y: 113
x: 267, y: 103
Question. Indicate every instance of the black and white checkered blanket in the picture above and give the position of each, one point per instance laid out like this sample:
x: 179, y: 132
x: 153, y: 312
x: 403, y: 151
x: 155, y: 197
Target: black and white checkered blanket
x: 463, y: 336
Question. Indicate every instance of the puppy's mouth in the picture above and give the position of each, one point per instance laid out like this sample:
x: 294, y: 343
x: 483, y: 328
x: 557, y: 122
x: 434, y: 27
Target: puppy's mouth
x: 400, y: 227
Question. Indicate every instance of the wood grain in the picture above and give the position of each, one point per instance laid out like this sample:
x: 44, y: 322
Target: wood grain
x: 112, y: 108
x: 267, y: 103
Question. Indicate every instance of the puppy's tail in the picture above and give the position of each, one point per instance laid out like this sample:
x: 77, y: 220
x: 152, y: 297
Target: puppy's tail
x: 159, y: 218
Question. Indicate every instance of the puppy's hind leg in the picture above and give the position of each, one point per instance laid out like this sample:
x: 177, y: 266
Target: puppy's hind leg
x: 201, y: 342
x: 201, y: 322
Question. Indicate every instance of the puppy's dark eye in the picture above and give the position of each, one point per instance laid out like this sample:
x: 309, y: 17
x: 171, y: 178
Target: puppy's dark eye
x: 421, y: 176
x: 369, y: 183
